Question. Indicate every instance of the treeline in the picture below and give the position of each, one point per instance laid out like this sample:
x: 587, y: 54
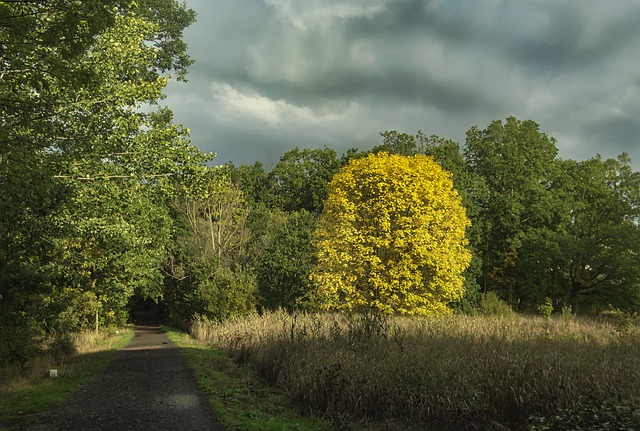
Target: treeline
x: 104, y: 203
x: 545, y: 231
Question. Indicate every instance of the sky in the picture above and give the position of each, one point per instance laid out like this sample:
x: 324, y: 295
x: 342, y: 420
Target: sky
x: 271, y: 75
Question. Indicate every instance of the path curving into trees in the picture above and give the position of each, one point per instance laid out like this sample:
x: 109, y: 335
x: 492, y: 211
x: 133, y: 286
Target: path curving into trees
x: 147, y: 387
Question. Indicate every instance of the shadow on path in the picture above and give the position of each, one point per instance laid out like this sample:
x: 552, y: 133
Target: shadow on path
x: 148, y: 386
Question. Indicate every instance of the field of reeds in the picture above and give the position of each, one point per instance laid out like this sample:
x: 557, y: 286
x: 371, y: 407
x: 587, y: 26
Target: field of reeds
x: 461, y: 372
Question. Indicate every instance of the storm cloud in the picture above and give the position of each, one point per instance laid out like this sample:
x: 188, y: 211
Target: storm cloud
x: 271, y: 75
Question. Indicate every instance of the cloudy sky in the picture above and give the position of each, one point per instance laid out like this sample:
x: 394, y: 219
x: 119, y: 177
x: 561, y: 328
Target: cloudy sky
x: 271, y: 75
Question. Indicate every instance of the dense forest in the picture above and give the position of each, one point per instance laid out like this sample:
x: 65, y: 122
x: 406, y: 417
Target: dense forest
x: 105, y: 203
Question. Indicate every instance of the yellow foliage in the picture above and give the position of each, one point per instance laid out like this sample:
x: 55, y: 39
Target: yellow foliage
x: 391, y: 237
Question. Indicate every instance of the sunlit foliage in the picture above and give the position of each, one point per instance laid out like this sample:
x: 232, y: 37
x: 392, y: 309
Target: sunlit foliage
x: 391, y: 237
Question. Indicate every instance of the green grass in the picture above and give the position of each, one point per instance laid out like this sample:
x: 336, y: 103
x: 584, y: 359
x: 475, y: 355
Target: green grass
x: 461, y: 372
x: 26, y: 393
x: 240, y: 399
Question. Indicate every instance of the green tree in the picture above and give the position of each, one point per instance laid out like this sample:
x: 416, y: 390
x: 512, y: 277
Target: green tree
x: 40, y: 47
x: 402, y: 144
x: 256, y: 183
x: 117, y: 158
x: 391, y: 237
x: 216, y: 213
x: 90, y: 217
x: 517, y: 165
x: 300, y: 178
x: 284, y: 265
x: 601, y: 248
x: 208, y: 273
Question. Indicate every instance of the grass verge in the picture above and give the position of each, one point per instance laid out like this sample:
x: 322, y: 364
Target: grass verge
x: 240, y: 399
x: 26, y: 392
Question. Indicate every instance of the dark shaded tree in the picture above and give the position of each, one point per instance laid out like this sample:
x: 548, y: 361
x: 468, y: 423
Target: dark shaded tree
x: 283, y: 268
x: 516, y: 163
x: 601, y: 246
x: 300, y: 178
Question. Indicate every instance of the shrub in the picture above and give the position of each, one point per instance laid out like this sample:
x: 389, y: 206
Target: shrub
x: 546, y: 308
x: 223, y: 293
x: 491, y: 305
x: 213, y: 291
x: 283, y: 268
x: 20, y: 339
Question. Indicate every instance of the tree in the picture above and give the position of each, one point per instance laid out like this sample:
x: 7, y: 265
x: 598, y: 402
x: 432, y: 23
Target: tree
x: 601, y: 246
x: 41, y: 43
x: 216, y: 213
x: 207, y: 273
x: 284, y: 265
x: 255, y: 182
x: 472, y: 189
x: 301, y: 176
x: 120, y: 164
x: 391, y: 237
x: 517, y: 165
x: 399, y: 143
x: 85, y: 175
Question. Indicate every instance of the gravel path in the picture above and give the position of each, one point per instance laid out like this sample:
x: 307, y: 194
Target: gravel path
x: 148, y: 386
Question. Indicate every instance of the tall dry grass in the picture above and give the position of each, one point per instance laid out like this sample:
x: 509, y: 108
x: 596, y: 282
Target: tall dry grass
x: 469, y: 371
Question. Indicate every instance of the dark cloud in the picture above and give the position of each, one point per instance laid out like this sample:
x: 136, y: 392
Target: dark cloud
x: 614, y: 134
x: 275, y: 74
x: 567, y: 39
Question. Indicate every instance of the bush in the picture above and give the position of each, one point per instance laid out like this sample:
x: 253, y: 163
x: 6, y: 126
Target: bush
x: 546, y: 308
x: 20, y: 339
x: 220, y: 293
x: 491, y: 305
x: 62, y: 346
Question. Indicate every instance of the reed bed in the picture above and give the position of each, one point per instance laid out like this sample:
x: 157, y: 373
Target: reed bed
x: 466, y: 372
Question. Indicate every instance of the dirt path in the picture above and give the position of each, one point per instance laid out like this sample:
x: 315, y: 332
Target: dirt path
x: 148, y: 386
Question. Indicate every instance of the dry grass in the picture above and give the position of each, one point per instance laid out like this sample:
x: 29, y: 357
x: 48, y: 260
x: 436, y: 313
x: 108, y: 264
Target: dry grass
x: 18, y: 377
x: 468, y: 371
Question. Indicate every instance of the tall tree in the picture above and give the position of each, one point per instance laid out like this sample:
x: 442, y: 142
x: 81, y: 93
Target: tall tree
x: 114, y: 157
x: 602, y: 246
x: 216, y: 214
x: 287, y: 259
x: 516, y: 163
x: 301, y: 176
x: 73, y: 77
x: 391, y: 237
x: 472, y: 188
x: 255, y: 182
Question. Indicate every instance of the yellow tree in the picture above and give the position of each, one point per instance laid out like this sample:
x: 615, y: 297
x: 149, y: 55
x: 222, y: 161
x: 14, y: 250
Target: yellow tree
x: 391, y: 237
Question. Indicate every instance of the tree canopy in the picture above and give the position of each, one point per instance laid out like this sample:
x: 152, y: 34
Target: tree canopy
x: 85, y: 173
x: 391, y: 237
